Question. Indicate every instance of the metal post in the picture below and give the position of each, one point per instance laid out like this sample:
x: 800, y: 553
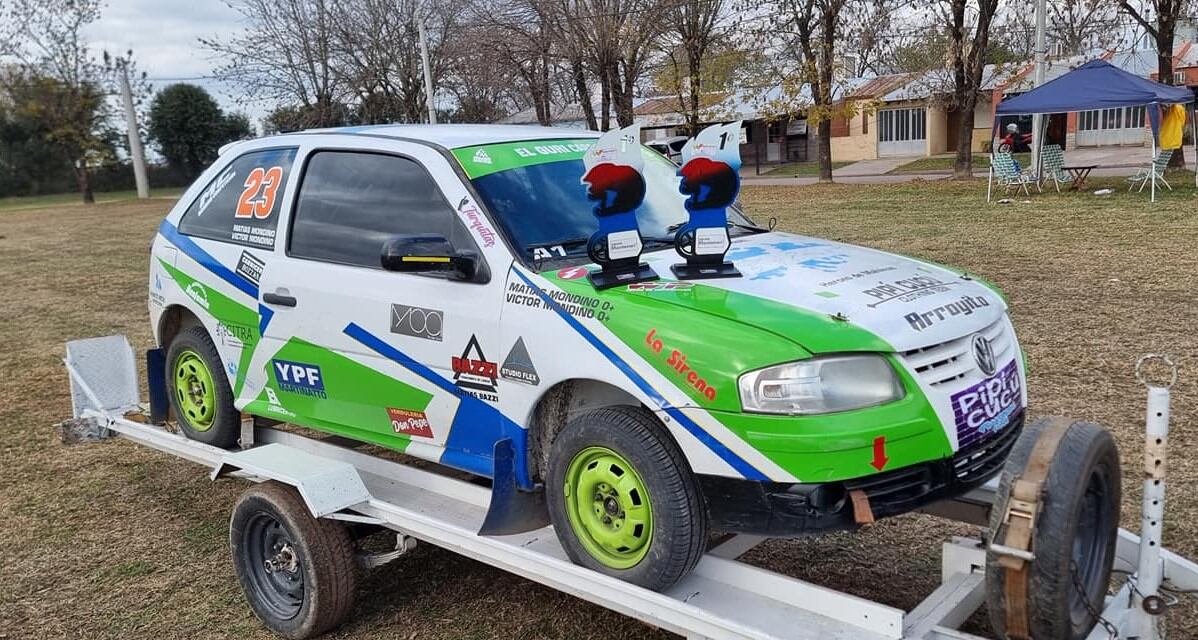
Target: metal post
x: 1194, y: 133
x: 136, y: 152
x: 1149, y: 571
x: 1152, y: 165
x: 1041, y: 54
x: 428, y: 74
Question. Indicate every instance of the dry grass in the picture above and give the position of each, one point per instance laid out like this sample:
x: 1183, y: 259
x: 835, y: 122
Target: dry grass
x: 115, y: 541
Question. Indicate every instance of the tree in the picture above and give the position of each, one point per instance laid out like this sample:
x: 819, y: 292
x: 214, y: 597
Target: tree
x: 285, y: 54
x: 693, y: 29
x: 1168, y: 12
x: 57, y: 81
x: 810, y: 32
x: 189, y: 128
x: 968, y: 42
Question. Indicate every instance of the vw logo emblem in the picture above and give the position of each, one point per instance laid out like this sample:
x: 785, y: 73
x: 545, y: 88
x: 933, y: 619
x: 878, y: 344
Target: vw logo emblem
x: 983, y: 353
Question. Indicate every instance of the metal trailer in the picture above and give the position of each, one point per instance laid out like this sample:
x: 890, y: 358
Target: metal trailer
x: 722, y: 598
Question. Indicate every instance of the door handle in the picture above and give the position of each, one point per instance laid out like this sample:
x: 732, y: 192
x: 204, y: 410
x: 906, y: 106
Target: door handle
x: 278, y: 299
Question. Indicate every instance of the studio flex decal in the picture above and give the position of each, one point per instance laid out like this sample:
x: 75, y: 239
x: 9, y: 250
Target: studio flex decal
x: 475, y: 374
x: 518, y: 365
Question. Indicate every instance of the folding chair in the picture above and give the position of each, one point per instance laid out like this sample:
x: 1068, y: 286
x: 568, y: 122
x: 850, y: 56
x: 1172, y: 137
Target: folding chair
x: 1052, y: 159
x: 1157, y: 168
x: 1009, y: 176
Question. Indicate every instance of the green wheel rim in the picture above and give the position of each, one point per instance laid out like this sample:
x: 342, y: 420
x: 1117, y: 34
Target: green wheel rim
x: 194, y: 390
x: 608, y: 507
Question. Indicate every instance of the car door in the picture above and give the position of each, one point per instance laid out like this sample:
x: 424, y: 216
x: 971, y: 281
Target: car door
x: 399, y: 359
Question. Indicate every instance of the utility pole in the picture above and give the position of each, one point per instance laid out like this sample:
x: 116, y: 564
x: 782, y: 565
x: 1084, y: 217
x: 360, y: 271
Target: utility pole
x: 135, y: 149
x: 428, y: 74
x: 1041, y: 52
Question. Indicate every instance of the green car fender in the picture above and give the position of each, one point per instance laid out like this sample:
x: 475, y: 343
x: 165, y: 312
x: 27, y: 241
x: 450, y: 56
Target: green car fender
x: 702, y: 339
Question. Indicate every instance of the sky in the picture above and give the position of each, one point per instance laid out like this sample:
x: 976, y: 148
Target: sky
x: 164, y: 36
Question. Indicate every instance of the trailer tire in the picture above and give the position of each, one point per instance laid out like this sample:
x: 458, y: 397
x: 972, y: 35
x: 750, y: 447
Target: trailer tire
x: 643, y: 519
x: 1077, y: 525
x: 297, y: 571
x: 204, y: 410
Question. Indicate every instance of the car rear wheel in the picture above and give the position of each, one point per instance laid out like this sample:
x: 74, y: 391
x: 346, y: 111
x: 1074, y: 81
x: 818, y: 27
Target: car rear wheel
x: 199, y: 390
x: 623, y: 499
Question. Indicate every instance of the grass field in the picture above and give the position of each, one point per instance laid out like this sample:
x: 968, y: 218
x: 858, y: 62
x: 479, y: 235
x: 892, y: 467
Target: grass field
x: 800, y: 169
x: 945, y: 163
x: 74, y: 199
x: 116, y: 541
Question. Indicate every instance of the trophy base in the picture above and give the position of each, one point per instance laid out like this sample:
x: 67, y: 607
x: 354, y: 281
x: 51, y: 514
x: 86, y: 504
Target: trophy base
x: 610, y: 277
x: 689, y: 271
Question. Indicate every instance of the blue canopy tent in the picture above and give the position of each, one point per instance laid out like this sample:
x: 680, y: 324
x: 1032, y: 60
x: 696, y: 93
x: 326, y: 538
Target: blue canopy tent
x: 1097, y: 84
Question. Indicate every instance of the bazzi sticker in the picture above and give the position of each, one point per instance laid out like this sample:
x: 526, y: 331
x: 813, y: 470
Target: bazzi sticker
x: 474, y: 373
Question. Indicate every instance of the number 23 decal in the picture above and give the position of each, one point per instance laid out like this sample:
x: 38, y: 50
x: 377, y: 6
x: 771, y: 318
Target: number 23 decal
x: 261, y: 187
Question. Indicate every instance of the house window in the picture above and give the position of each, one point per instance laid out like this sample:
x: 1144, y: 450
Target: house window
x: 900, y: 125
x: 1112, y: 118
x: 864, y: 123
x: 1179, y: 78
x: 1087, y: 121
x: 1135, y: 118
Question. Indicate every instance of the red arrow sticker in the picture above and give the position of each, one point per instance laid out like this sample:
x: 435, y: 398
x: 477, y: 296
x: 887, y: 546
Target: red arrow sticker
x: 880, y: 459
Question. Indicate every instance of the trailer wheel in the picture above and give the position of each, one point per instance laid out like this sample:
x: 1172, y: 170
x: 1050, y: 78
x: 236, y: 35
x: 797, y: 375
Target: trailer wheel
x: 1074, y: 537
x: 199, y: 390
x: 623, y: 499
x: 298, y: 572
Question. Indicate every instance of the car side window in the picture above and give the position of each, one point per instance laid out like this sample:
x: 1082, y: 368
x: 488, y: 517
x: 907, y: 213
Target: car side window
x: 351, y: 203
x: 241, y: 204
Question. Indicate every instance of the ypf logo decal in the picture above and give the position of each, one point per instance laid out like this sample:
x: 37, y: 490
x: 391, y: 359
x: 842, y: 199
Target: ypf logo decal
x: 299, y: 378
x: 417, y: 322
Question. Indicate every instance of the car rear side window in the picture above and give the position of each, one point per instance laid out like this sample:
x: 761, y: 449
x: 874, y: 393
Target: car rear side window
x: 242, y: 202
x: 351, y: 203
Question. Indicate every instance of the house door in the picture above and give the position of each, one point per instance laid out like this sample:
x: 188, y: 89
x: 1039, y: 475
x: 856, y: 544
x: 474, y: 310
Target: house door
x: 902, y: 132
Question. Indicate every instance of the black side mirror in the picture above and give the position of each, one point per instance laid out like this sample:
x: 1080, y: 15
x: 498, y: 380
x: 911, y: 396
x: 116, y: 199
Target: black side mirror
x: 428, y: 253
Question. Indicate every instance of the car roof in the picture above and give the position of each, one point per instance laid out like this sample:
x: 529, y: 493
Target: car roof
x: 453, y: 136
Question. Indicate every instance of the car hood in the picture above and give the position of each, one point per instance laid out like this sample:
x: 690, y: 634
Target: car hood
x: 907, y: 303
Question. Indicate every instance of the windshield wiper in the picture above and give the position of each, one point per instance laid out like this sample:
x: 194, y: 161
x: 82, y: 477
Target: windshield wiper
x: 731, y: 223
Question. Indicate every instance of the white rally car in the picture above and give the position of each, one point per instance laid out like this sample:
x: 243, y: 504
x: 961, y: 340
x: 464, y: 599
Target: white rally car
x: 423, y: 288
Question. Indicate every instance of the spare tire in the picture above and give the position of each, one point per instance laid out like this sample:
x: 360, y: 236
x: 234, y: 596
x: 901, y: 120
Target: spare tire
x: 1074, y: 538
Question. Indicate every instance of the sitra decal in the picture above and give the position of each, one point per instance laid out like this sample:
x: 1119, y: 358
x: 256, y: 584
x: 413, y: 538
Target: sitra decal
x: 299, y: 378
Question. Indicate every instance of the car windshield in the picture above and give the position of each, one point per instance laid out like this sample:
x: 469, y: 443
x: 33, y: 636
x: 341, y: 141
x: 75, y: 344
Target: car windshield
x: 535, y: 191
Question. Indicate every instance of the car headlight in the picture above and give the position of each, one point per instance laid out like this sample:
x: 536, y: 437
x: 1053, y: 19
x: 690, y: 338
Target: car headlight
x: 820, y: 385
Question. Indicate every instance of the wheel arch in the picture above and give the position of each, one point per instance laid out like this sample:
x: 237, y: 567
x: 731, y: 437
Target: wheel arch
x: 557, y: 405
x: 174, y: 319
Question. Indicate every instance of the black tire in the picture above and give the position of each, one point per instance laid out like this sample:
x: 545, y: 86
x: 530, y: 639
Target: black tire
x: 313, y: 558
x: 1077, y: 526
x: 226, y: 423
x: 679, y: 516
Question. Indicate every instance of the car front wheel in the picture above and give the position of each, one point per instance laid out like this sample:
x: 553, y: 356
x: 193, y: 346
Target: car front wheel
x: 623, y: 499
x: 199, y: 390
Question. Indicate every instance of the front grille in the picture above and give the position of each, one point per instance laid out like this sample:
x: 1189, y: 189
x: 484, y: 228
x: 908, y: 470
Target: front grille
x: 948, y: 362
x: 983, y: 458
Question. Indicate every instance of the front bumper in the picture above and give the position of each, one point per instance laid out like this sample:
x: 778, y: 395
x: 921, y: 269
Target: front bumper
x: 789, y: 510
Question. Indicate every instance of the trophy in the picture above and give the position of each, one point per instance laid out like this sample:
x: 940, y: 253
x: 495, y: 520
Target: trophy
x: 613, y: 180
x: 710, y: 179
